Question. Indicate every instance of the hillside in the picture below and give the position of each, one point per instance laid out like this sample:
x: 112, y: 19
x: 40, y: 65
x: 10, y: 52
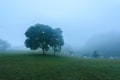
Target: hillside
x: 38, y: 67
x: 107, y: 44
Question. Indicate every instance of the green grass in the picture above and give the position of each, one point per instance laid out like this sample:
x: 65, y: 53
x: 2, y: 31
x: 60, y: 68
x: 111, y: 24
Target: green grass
x: 38, y: 67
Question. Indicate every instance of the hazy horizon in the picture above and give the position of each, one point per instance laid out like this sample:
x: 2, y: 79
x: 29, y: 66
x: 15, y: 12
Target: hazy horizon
x: 79, y: 19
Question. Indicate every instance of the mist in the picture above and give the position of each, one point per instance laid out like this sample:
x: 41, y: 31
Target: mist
x: 80, y: 20
x: 59, y: 39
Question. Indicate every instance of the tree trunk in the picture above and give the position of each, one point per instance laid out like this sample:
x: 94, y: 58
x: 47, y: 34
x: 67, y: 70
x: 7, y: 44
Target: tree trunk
x: 43, y: 51
x: 54, y: 53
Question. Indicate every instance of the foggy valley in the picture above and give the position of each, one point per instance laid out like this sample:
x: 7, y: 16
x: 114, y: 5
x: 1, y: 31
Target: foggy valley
x: 82, y: 34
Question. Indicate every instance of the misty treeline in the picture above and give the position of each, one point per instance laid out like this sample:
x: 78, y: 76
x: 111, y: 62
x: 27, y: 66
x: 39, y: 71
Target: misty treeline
x: 4, y: 45
x: 77, y: 52
x: 40, y: 36
x: 105, y: 45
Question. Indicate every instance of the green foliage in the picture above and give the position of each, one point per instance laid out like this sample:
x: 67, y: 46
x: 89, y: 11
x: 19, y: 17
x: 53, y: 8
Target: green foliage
x: 34, y: 67
x: 44, y: 37
x: 58, y: 41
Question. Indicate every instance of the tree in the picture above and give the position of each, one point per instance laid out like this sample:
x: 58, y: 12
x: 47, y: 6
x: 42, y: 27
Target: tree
x: 95, y: 54
x: 44, y: 37
x: 39, y: 36
x: 4, y: 45
x: 58, y: 40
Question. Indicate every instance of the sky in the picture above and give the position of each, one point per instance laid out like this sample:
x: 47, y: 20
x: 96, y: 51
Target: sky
x: 79, y: 19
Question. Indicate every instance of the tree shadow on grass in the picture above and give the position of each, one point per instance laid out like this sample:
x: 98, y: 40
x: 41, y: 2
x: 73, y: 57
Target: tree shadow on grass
x: 41, y: 55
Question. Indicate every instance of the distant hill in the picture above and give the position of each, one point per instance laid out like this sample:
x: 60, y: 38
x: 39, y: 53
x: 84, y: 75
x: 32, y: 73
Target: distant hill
x: 107, y: 44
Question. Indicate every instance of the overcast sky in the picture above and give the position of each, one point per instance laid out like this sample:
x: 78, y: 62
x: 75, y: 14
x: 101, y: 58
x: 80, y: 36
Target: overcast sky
x: 79, y: 19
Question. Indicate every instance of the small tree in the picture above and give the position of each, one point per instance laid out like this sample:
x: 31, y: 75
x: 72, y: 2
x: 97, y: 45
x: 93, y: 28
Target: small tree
x: 95, y: 54
x: 58, y: 41
x: 4, y: 45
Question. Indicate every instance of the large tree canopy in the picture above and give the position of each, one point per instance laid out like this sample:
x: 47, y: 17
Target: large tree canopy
x: 44, y: 37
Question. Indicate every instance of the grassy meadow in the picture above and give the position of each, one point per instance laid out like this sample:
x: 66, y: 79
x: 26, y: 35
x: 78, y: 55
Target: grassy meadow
x: 27, y: 66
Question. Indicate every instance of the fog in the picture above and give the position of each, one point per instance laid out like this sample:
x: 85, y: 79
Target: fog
x: 82, y: 21
x: 107, y: 44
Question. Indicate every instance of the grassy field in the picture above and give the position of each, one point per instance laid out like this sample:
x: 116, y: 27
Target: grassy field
x: 38, y: 67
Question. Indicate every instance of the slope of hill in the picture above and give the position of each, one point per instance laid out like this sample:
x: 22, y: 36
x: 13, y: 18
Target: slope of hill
x: 38, y: 67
